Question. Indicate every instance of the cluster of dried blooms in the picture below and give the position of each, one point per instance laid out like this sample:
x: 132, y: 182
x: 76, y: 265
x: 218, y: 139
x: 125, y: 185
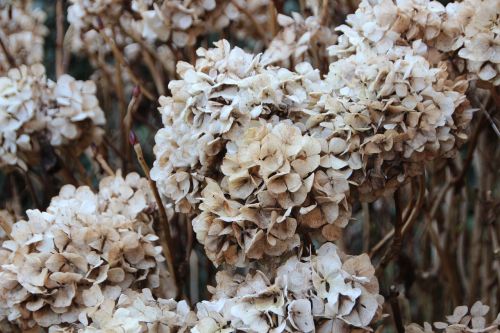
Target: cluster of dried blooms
x: 467, y: 30
x: 326, y: 292
x: 290, y: 142
x: 64, y: 264
x: 21, y: 34
x: 35, y: 111
x: 298, y: 37
x: 140, y: 312
x: 462, y: 320
x: 159, y: 28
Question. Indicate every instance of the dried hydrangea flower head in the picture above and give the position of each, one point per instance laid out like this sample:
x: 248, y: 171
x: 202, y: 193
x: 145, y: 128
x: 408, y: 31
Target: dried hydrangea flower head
x: 272, y: 177
x: 470, y: 27
x: 399, y: 114
x: 328, y: 292
x: 22, y: 32
x: 177, y: 22
x: 300, y: 39
x: 85, y: 249
x: 140, y: 312
x: 481, y: 43
x: 33, y: 107
x: 276, y: 149
x: 462, y: 320
x: 6, y: 221
x: 181, y: 21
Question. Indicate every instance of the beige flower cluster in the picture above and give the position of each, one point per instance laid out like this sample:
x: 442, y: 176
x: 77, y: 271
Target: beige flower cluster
x: 398, y: 113
x: 298, y: 38
x: 183, y: 21
x: 22, y: 33
x: 33, y: 107
x: 462, y: 320
x: 140, y: 312
x: 327, y: 292
x: 469, y: 29
x: 274, y: 146
x: 64, y: 264
x: 273, y: 178
x: 179, y: 22
x: 161, y: 31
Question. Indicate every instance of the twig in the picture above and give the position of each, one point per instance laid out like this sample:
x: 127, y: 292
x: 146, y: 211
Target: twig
x: 164, y: 228
x: 155, y: 72
x: 7, y: 228
x: 325, y: 14
x: 123, y: 62
x: 31, y: 189
x: 396, y: 312
x: 256, y: 24
x: 366, y: 226
x: 102, y: 162
x: 10, y: 58
x: 59, y: 38
x: 395, y: 248
x: 409, y: 220
x: 458, y: 180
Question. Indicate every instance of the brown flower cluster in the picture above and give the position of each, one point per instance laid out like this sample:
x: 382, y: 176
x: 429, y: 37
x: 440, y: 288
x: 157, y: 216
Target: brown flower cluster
x: 85, y: 250
x: 22, y: 34
x: 274, y: 146
x: 140, y: 312
x: 297, y: 38
x: 468, y: 30
x: 36, y: 111
x: 462, y: 320
x: 159, y: 28
x: 399, y: 113
x: 272, y: 178
x: 327, y: 292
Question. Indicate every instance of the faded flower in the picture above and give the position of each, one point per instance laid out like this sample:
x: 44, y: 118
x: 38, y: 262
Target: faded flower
x: 308, y: 294
x: 33, y: 108
x: 462, y: 320
x: 66, y: 263
x: 22, y: 32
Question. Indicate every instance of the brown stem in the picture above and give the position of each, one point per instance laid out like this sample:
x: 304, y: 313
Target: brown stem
x: 10, y: 58
x: 396, y: 311
x: 395, y: 248
x: 7, y: 228
x: 155, y: 72
x: 256, y: 24
x: 164, y: 227
x: 409, y: 219
x: 31, y: 189
x: 366, y: 226
x: 59, y: 38
x: 123, y: 62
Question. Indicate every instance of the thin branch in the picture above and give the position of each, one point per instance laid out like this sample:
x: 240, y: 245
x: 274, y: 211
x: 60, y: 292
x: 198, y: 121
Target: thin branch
x: 10, y: 58
x: 395, y: 248
x: 102, y: 162
x: 123, y: 62
x: 164, y: 228
x: 6, y: 227
x: 257, y: 25
x: 396, y: 311
x: 59, y: 38
x: 409, y: 220
x: 31, y: 189
x: 155, y: 72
